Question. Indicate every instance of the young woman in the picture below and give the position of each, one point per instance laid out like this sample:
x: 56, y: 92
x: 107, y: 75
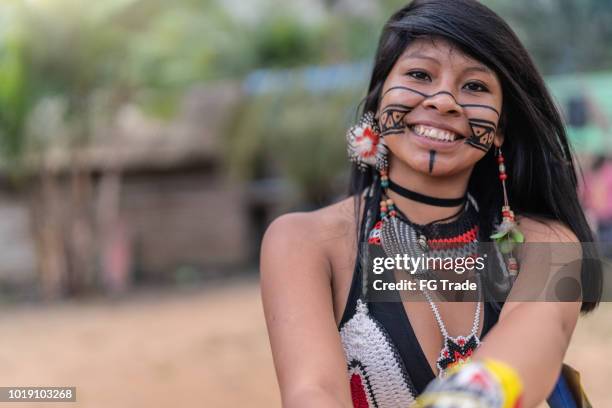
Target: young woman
x: 452, y: 87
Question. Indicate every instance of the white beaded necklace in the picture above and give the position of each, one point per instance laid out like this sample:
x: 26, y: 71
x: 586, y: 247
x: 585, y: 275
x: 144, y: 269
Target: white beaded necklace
x: 459, y: 349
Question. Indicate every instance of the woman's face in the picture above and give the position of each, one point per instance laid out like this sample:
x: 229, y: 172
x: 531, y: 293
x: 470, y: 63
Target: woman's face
x: 439, y: 109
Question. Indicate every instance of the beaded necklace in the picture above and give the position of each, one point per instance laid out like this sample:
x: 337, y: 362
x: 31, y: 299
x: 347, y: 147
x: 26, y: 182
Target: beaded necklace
x: 459, y: 349
x: 398, y: 235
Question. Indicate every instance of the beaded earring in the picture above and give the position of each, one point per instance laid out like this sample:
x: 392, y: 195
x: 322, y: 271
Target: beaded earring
x: 387, y: 207
x: 507, y: 234
x: 365, y: 146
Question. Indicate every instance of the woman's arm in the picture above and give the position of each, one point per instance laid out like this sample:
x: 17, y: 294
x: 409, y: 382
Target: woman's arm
x: 297, y: 299
x: 532, y: 337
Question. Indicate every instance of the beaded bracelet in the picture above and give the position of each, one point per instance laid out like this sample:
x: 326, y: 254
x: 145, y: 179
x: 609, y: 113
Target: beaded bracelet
x: 486, y: 383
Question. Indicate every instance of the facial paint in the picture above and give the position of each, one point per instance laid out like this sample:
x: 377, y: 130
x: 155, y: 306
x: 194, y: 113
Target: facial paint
x: 483, y: 131
x: 392, y: 119
x: 463, y: 105
x: 432, y: 159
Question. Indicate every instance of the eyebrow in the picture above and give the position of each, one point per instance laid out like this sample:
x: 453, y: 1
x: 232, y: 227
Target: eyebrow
x: 475, y: 68
x: 478, y: 69
x: 417, y: 55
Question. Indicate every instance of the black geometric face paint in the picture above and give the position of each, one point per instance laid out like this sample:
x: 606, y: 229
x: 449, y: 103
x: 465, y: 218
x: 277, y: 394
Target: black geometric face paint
x: 483, y: 131
x: 392, y: 119
x: 432, y: 159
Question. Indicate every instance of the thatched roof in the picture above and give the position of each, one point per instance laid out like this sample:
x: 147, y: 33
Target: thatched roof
x: 137, y: 141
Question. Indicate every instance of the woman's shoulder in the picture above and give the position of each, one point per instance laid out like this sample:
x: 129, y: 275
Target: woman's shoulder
x: 537, y: 228
x: 317, y: 230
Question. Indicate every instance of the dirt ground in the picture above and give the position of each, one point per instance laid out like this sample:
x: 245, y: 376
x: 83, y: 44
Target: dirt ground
x: 188, y: 348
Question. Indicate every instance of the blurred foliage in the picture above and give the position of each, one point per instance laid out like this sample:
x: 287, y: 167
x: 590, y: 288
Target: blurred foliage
x: 88, y: 58
x: 53, y: 52
x: 297, y: 134
x: 14, y: 92
x: 562, y: 35
x: 285, y: 42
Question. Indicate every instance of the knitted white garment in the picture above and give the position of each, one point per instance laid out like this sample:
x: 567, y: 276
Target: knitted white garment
x: 371, y: 355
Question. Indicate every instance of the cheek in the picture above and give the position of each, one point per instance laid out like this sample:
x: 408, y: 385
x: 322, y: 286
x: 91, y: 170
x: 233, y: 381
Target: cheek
x: 462, y: 160
x: 402, y: 150
x: 398, y: 146
x: 397, y: 93
x: 483, y: 129
x: 470, y: 156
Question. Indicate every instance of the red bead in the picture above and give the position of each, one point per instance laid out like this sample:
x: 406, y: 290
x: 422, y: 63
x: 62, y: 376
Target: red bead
x: 393, y: 213
x: 500, y: 159
x: 503, y: 176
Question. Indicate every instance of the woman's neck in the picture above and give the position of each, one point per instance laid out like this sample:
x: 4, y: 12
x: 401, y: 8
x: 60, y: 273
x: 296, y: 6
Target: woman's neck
x: 441, y: 187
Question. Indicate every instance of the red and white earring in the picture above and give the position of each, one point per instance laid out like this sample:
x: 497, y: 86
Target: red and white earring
x: 365, y: 146
x: 507, y: 234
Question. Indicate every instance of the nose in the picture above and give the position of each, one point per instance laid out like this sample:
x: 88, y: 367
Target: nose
x: 444, y: 102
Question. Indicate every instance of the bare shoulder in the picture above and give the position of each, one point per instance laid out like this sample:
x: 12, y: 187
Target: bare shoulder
x: 539, y: 229
x: 313, y: 235
x: 314, y: 228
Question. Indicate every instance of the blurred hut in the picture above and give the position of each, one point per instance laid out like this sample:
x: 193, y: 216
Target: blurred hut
x: 152, y: 202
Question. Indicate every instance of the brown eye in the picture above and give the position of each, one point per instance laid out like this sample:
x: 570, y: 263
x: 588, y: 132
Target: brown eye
x: 476, y: 87
x: 420, y: 75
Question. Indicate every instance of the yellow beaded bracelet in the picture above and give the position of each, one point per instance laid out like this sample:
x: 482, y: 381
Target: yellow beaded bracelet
x: 491, y: 383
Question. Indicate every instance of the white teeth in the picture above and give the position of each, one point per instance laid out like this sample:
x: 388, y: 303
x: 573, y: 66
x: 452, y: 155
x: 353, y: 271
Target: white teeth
x: 434, y: 133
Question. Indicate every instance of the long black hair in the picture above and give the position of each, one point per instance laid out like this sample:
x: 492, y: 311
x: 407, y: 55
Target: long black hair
x: 542, y: 178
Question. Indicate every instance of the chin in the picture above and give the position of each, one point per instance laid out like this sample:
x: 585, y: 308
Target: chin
x: 441, y: 168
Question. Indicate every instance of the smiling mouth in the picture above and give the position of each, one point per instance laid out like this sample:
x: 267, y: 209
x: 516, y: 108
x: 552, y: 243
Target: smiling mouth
x: 435, y: 133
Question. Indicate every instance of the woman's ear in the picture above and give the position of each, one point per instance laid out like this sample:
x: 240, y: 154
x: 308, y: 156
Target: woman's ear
x: 498, y: 140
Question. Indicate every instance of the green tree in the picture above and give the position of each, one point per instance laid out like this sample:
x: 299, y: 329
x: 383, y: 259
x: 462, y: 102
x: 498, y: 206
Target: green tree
x: 562, y: 35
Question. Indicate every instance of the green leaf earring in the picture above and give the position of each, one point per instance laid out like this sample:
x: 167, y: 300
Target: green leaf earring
x: 507, y: 234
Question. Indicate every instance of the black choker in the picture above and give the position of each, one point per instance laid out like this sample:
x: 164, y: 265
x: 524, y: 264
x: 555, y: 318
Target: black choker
x: 422, y: 198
